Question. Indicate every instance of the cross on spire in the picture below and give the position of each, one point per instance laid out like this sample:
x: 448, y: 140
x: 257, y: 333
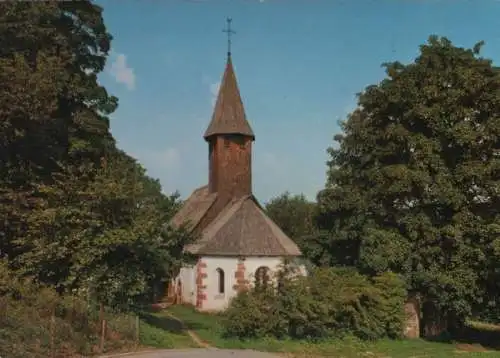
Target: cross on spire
x: 229, y: 32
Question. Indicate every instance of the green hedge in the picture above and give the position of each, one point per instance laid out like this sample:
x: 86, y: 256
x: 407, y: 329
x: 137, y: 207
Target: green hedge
x: 328, y: 302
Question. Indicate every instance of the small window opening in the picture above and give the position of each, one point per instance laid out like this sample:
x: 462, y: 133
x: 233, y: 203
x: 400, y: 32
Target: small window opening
x: 240, y: 141
x: 262, y: 277
x: 220, y: 277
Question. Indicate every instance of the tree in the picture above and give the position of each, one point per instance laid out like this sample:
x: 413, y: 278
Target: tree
x: 78, y: 213
x: 109, y: 240
x: 413, y: 185
x: 294, y: 214
x: 130, y: 249
x: 297, y: 217
x: 54, y: 126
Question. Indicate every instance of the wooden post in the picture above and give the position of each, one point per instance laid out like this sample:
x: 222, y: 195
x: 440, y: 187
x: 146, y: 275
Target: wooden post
x: 103, y: 335
x: 72, y: 311
x: 101, y: 313
x: 137, y: 332
x: 52, y: 334
x: 102, y: 322
x: 3, y: 307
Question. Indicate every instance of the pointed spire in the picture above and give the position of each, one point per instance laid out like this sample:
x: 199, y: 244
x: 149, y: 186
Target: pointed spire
x: 229, y: 114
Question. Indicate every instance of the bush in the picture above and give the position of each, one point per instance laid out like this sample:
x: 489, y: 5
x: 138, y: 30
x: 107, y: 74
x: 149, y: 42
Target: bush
x: 328, y: 302
x: 37, y: 322
x: 255, y: 314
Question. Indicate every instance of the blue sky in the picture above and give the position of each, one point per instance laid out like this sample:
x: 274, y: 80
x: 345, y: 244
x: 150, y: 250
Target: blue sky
x: 299, y: 65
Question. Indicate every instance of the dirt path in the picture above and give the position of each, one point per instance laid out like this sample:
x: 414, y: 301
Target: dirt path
x: 194, y: 336
x: 197, y: 353
x: 205, y: 350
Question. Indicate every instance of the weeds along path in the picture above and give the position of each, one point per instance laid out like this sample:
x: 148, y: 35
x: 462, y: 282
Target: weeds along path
x: 193, y: 335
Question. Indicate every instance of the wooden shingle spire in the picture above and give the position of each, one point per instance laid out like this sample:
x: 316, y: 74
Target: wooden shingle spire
x: 229, y: 114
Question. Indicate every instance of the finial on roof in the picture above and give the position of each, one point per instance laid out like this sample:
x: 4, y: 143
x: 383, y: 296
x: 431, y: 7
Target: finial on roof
x: 229, y: 32
x: 229, y: 115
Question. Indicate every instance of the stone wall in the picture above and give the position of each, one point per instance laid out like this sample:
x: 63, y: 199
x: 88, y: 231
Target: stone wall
x: 412, y: 311
x: 241, y: 282
x: 201, y: 275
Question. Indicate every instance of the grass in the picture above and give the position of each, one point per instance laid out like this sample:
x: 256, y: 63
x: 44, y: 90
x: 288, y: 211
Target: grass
x: 208, y: 328
x: 160, y: 331
x: 28, y: 329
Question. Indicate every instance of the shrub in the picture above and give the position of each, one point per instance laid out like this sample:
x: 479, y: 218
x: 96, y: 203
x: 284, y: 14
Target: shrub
x: 390, y: 310
x: 253, y: 314
x: 35, y: 321
x: 328, y: 302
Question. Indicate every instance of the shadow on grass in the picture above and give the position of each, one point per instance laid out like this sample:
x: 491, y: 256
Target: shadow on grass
x: 193, y: 318
x: 159, y: 319
x: 488, y: 338
x: 194, y: 325
x: 163, y: 322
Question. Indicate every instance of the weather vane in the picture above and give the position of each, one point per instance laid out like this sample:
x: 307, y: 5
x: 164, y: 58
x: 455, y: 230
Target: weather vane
x: 229, y: 32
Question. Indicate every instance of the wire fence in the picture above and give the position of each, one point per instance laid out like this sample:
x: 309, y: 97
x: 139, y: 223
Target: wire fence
x: 64, y: 328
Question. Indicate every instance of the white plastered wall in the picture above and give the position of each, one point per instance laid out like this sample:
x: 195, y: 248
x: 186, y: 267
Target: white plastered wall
x: 187, y: 276
x: 216, y: 301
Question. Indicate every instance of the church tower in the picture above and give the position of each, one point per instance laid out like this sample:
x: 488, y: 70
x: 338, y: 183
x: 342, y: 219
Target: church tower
x: 236, y: 242
x: 229, y: 138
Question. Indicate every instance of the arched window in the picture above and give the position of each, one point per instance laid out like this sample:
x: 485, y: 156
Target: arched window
x: 221, y: 280
x: 262, y: 277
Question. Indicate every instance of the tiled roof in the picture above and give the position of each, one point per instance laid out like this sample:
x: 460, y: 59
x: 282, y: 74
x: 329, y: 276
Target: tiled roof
x: 194, y: 208
x: 242, y: 228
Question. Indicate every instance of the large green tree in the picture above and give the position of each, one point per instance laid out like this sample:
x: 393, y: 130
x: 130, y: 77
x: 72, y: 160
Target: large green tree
x: 414, y: 182
x: 294, y: 214
x: 78, y: 213
x: 54, y: 125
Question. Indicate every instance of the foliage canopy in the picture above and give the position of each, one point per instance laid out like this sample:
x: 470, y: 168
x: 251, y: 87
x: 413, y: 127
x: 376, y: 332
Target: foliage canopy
x: 78, y: 213
x: 414, y: 182
x: 327, y: 303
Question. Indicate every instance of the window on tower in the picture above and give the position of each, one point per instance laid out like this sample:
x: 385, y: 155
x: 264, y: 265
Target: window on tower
x: 236, y: 139
x: 240, y: 141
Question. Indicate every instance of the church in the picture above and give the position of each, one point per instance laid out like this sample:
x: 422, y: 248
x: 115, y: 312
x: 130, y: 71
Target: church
x: 237, y: 243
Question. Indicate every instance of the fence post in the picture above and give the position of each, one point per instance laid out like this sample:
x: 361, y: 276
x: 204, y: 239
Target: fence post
x: 3, y: 307
x: 102, y: 322
x: 101, y: 313
x: 52, y: 334
x: 103, y: 335
x: 137, y: 332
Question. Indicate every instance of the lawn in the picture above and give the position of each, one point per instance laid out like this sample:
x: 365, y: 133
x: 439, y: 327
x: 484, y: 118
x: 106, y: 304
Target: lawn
x: 208, y: 328
x: 160, y: 331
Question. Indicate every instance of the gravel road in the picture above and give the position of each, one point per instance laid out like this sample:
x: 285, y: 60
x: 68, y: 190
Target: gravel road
x: 197, y: 353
